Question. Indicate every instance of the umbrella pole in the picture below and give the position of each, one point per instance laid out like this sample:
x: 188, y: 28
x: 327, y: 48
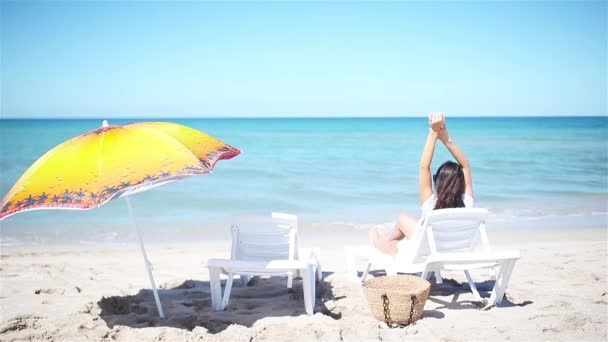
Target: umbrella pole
x: 147, y: 262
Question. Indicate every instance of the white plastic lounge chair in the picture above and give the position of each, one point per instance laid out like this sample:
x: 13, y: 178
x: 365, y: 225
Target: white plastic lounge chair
x: 446, y: 239
x: 272, y: 250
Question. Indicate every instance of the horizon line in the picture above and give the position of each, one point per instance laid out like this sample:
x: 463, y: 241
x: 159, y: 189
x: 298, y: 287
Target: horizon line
x: 296, y: 117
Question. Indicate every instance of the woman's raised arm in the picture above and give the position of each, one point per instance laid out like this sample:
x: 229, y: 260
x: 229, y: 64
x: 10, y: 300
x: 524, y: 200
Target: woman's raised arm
x: 425, y: 185
x: 457, y: 153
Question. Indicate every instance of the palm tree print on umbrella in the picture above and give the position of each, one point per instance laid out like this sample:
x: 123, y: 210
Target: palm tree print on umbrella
x: 42, y: 198
x: 30, y: 201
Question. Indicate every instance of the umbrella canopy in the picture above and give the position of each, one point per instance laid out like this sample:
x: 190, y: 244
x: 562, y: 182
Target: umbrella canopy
x: 112, y: 161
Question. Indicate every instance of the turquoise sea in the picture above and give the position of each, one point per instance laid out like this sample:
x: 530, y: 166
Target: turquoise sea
x: 335, y: 174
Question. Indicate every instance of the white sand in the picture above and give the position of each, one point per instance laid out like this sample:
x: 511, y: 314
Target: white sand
x: 559, y: 291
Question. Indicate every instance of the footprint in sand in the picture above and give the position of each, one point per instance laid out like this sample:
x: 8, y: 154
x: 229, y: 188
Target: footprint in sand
x: 566, y: 305
x: 88, y: 308
x: 21, y: 322
x: 50, y: 291
x: 595, y: 277
x: 575, y: 322
x: 603, y: 299
x: 551, y: 330
x: 561, y: 305
x: 541, y: 316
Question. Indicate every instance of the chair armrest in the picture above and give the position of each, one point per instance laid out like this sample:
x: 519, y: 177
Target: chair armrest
x: 249, y: 266
x: 472, y: 258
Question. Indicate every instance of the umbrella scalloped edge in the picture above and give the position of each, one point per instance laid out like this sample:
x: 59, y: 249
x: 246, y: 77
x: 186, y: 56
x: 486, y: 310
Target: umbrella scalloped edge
x: 80, y: 200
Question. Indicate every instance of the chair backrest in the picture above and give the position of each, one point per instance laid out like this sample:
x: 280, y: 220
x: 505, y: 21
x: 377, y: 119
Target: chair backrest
x: 456, y: 230
x: 272, y: 238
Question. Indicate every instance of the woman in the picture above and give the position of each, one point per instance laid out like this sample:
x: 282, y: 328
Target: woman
x: 453, y: 186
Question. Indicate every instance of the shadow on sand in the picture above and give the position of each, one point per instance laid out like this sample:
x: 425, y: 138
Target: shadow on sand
x: 451, y: 287
x: 189, y: 305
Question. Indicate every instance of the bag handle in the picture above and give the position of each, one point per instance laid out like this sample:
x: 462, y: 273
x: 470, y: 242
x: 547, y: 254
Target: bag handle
x: 387, y: 313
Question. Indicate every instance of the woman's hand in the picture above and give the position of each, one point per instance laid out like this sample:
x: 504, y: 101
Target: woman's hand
x: 438, y: 125
x: 436, y: 121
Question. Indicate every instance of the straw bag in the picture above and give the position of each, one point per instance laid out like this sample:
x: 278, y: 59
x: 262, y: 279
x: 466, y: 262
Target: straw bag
x: 397, y: 299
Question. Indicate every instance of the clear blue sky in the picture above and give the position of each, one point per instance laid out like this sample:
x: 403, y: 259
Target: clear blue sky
x: 220, y: 59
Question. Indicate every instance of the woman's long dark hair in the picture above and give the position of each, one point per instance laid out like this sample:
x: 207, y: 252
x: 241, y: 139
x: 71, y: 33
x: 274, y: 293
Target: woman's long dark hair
x: 449, y: 185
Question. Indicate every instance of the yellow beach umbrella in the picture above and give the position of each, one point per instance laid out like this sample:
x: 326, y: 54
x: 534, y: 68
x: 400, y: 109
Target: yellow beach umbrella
x: 114, y: 161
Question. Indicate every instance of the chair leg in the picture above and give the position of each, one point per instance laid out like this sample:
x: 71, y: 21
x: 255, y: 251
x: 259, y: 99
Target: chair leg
x: 227, y: 290
x: 472, y: 285
x: 438, y: 278
x: 366, y: 272
x: 216, y: 289
x: 313, y: 284
x: 502, y: 280
x: 308, y: 287
x: 319, y: 273
x: 289, y: 280
x: 243, y: 280
x: 426, y: 274
x: 432, y: 270
x: 317, y: 255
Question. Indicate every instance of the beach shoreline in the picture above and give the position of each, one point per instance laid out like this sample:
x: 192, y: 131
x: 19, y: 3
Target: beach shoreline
x: 559, y: 290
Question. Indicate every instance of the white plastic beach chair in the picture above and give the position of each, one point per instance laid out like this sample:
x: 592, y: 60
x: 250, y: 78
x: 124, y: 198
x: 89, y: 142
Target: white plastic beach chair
x: 446, y: 239
x: 272, y: 250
